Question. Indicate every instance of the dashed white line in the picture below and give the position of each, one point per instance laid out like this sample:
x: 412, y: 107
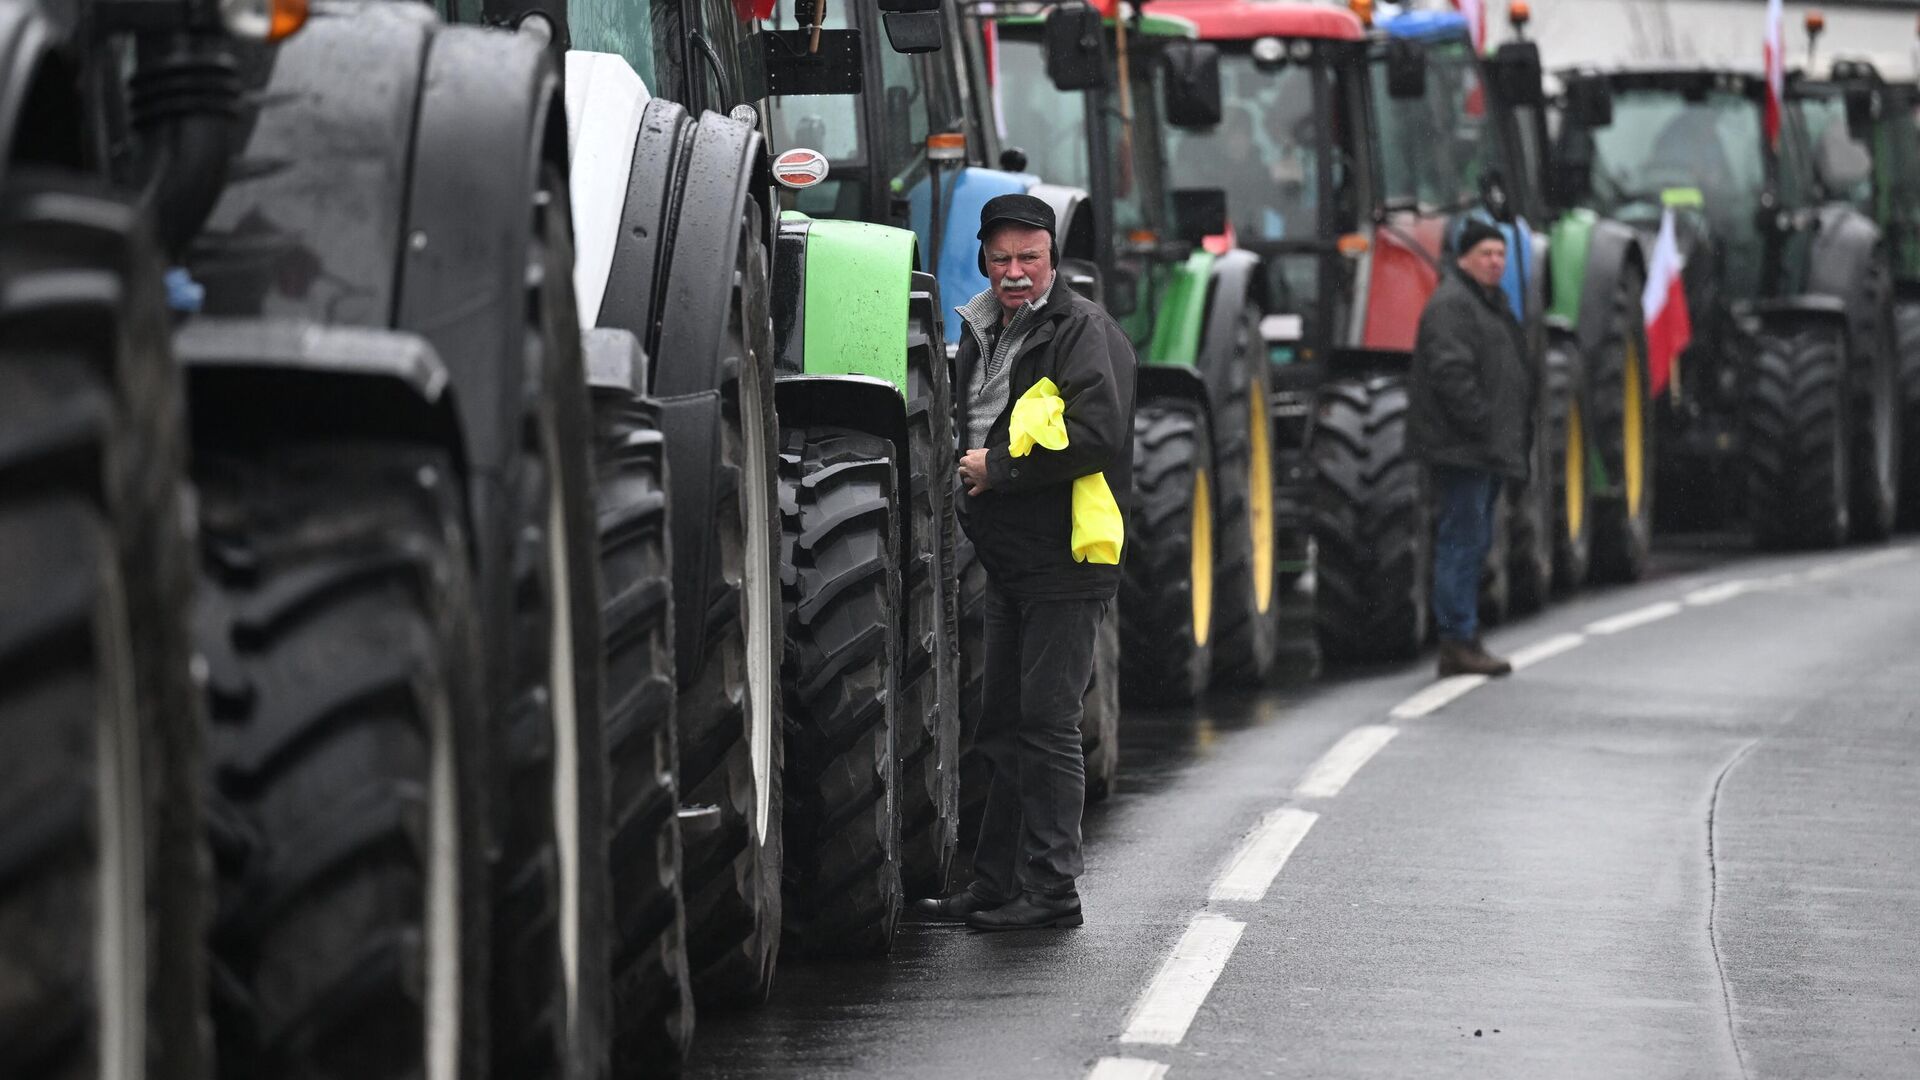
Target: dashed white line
x: 1120, y: 1068
x: 1262, y: 853
x: 1725, y: 590
x: 1338, y: 765
x: 1640, y: 616
x: 1530, y: 655
x: 1435, y: 696
x: 1167, y: 1008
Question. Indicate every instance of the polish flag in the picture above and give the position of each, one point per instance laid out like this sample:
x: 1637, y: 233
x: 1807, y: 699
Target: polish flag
x: 1776, y: 68
x: 1476, y: 13
x: 1664, y: 305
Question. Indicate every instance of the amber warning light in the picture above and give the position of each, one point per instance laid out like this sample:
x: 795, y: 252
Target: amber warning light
x: 263, y: 20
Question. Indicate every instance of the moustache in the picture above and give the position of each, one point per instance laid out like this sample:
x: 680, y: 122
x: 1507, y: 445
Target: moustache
x: 1016, y: 283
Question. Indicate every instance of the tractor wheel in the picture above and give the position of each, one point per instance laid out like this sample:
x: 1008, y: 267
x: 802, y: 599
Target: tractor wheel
x: 1798, y: 443
x: 1906, y: 325
x: 1166, y: 582
x: 929, y: 729
x: 1530, y: 524
x: 1100, y: 710
x: 103, y: 887
x: 728, y: 711
x: 652, y: 994
x: 338, y: 626
x: 1372, y: 525
x: 841, y: 568
x: 972, y: 579
x: 1247, y: 626
x: 1877, y: 427
x: 1620, y: 390
x: 1496, y: 583
x: 1565, y: 433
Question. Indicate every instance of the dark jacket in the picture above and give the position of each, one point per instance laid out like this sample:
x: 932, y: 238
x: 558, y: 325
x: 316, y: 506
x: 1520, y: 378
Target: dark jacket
x: 1022, y: 526
x: 1471, y: 392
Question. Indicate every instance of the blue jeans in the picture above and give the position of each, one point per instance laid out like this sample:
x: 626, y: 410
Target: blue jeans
x: 1464, y: 531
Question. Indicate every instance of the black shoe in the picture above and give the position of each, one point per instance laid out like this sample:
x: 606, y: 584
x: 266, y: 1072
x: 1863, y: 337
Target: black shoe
x: 955, y: 908
x: 1031, y: 912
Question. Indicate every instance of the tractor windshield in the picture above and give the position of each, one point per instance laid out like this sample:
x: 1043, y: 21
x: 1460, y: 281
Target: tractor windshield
x: 1660, y: 140
x: 1265, y: 151
x: 1432, y: 146
x: 622, y: 27
x: 1843, y: 163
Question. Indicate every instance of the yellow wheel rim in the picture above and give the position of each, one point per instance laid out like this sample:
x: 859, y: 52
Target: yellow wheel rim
x: 1260, y: 500
x: 1633, y: 454
x: 1576, y: 471
x: 1202, y: 558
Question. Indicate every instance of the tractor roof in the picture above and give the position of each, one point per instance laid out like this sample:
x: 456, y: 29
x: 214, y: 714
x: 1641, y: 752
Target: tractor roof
x: 1151, y: 24
x: 1425, y: 25
x: 1244, y: 20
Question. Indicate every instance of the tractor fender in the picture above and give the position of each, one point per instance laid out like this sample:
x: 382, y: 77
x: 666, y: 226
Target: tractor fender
x: 1613, y: 250
x: 843, y: 295
x: 1784, y: 315
x: 33, y: 69
x: 860, y: 402
x: 1234, y: 284
x: 630, y: 296
x: 1846, y: 248
x: 724, y: 168
x: 1180, y: 383
x: 605, y: 103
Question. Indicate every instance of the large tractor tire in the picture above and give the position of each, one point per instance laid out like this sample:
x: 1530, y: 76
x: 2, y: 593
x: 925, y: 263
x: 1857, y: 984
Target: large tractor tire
x: 1564, y: 430
x: 1798, y: 441
x: 972, y: 580
x: 1167, y: 575
x: 651, y: 985
x: 929, y: 709
x: 1906, y: 329
x: 351, y: 777
x: 1100, y: 711
x: 1620, y: 390
x: 1530, y: 521
x: 728, y: 712
x: 841, y: 569
x: 1877, y: 416
x: 1372, y: 524
x: 1247, y: 622
x: 103, y: 887
x: 1496, y: 582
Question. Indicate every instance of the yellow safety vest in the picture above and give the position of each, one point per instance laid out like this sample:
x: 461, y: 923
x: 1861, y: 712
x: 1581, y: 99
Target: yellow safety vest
x: 1039, y: 419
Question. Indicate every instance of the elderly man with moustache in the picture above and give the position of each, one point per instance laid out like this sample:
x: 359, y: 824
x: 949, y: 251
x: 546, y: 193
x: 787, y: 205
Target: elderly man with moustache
x: 1027, y: 336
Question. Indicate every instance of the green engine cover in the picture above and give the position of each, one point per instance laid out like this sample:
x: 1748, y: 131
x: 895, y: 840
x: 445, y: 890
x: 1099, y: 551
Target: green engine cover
x: 1182, y: 314
x: 858, y: 281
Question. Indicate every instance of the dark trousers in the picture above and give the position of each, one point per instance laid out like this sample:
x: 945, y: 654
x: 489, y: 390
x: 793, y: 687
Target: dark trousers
x: 1464, y: 501
x: 1039, y: 658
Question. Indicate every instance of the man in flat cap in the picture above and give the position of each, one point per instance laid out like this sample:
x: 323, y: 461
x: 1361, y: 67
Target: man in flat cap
x: 1470, y: 409
x: 1046, y: 387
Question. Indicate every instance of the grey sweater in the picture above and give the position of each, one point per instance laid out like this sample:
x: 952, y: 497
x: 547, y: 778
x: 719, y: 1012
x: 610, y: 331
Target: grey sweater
x: 987, y: 391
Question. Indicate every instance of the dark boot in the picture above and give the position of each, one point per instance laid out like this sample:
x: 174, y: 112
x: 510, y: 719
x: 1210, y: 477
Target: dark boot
x: 1469, y: 658
x: 1031, y: 912
x: 953, y: 908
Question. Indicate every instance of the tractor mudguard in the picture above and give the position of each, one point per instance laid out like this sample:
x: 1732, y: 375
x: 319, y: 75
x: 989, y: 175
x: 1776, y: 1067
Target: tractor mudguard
x: 841, y: 296
x: 1178, y: 382
x: 860, y: 402
x: 724, y: 168
x: 28, y: 38
x: 1182, y: 315
x: 691, y: 424
x: 1233, y: 282
x: 634, y: 278
x: 1846, y: 244
x: 606, y: 102
x: 1612, y: 248
x: 614, y: 360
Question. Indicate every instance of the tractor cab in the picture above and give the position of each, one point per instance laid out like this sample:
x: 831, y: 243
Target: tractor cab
x: 1864, y: 133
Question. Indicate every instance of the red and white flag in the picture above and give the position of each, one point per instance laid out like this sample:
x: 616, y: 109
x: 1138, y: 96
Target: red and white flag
x: 1664, y: 305
x: 1776, y: 68
x: 1476, y: 13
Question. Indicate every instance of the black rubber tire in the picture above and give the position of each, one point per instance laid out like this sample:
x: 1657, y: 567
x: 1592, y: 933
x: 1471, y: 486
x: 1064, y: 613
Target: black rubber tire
x: 1166, y: 636
x: 1530, y: 521
x: 1496, y: 585
x: 651, y: 985
x: 102, y: 772
x: 1622, y: 525
x: 1372, y: 524
x: 1100, y: 710
x: 1798, y: 442
x: 972, y: 579
x: 1877, y: 415
x: 1906, y: 326
x: 929, y: 733
x: 841, y: 572
x: 337, y: 621
x: 1246, y: 595
x: 731, y: 849
x: 1564, y: 406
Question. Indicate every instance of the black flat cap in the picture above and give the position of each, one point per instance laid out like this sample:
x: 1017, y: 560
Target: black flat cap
x: 1475, y: 232
x: 1015, y: 209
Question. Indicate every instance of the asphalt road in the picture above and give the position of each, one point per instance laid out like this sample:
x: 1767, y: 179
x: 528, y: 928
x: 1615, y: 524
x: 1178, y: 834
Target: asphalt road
x: 1683, y: 841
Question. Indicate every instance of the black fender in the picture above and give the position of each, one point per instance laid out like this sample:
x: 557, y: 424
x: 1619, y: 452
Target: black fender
x: 1846, y: 248
x: 41, y: 114
x: 614, y: 360
x: 635, y: 277
x: 1235, y: 283
x: 860, y: 402
x: 1783, y: 315
x: 1612, y: 251
x: 725, y: 160
x: 1177, y: 382
x: 691, y: 424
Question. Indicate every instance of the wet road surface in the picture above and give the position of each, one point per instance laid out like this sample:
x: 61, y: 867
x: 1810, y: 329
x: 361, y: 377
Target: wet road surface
x: 1683, y: 841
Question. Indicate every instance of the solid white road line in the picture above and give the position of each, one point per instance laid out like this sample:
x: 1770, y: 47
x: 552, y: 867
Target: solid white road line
x: 1879, y: 558
x: 1338, y: 765
x: 1725, y: 590
x: 1435, y: 697
x: 1118, y: 1068
x: 1529, y: 655
x: 1265, y: 850
x: 1167, y: 1008
x: 1640, y: 616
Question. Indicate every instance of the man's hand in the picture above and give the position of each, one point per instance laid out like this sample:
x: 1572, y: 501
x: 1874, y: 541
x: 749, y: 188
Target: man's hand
x: 973, y: 471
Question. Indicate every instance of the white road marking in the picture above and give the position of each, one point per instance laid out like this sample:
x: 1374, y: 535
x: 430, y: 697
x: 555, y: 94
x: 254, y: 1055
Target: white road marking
x: 1827, y: 571
x: 1641, y: 616
x: 1435, y: 697
x: 1530, y: 655
x: 1265, y: 850
x: 1167, y: 1008
x: 1338, y: 765
x: 1725, y: 590
x: 1879, y: 558
x: 1118, y: 1068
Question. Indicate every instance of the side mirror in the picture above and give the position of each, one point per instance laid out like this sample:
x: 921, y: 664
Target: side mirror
x: 1589, y: 102
x: 1076, y: 53
x: 1199, y: 213
x: 1012, y: 159
x: 1860, y: 112
x: 1515, y: 74
x: 1406, y: 70
x: 1570, y: 176
x: 914, y: 31
x: 1192, y: 84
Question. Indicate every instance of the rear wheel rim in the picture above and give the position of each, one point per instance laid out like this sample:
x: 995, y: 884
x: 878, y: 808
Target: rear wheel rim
x: 444, y: 929
x: 1632, y: 431
x: 1576, y: 478
x: 759, y: 610
x: 566, y: 732
x: 1260, y: 500
x: 1201, y: 558
x: 120, y: 885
